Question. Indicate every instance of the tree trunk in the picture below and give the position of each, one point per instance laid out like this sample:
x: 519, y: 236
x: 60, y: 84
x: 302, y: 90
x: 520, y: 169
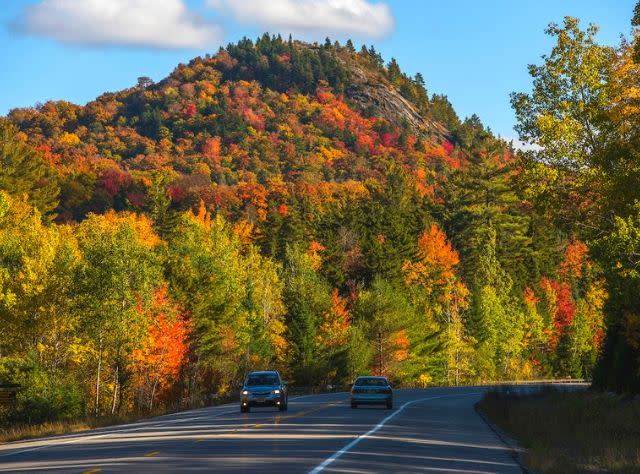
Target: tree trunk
x: 116, y: 387
x: 153, y: 393
x: 97, y: 404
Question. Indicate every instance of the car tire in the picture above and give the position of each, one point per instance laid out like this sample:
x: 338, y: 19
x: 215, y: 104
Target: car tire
x: 282, y: 407
x: 389, y: 405
x: 354, y: 405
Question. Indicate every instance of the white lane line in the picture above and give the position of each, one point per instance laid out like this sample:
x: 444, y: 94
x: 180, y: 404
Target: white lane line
x: 320, y: 467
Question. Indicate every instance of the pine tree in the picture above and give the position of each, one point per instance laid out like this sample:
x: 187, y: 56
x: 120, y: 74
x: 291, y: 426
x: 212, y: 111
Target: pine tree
x: 307, y: 298
x: 350, y: 46
x: 23, y: 172
x: 393, y: 69
x: 164, y: 218
x: 483, y: 205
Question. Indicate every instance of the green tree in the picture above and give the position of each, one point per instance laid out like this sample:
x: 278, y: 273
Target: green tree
x: 208, y: 275
x: 39, y: 323
x: 115, y: 281
x: 307, y: 297
x: 265, y: 306
x: 563, y: 114
x: 483, y: 209
x: 383, y: 314
x: 164, y: 218
x: 23, y: 172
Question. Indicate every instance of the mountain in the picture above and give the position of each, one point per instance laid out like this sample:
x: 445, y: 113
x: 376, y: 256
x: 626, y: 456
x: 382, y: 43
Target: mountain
x: 222, y: 127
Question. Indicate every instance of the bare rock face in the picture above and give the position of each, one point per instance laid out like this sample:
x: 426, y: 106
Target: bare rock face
x: 379, y: 96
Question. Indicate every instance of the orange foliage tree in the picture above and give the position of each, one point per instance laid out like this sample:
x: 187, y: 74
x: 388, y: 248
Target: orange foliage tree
x: 158, y: 360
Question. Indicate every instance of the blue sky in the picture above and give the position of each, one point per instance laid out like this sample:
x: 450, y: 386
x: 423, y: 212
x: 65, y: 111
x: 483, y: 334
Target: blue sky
x: 474, y: 52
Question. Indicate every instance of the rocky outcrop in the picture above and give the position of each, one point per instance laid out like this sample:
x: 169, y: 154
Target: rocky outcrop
x: 383, y: 99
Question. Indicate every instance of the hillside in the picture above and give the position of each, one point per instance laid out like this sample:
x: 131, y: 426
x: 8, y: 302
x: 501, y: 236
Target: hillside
x: 222, y: 128
x: 277, y: 204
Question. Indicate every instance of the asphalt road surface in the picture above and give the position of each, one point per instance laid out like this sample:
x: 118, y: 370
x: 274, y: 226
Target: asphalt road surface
x: 433, y: 430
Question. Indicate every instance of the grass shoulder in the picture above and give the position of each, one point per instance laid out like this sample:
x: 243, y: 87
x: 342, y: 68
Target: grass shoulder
x: 570, y: 432
x: 23, y: 431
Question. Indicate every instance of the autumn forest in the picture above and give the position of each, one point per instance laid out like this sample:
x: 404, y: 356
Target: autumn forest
x: 312, y: 208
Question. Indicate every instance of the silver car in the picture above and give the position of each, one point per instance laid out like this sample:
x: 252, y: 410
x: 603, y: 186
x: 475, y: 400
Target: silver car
x: 369, y: 390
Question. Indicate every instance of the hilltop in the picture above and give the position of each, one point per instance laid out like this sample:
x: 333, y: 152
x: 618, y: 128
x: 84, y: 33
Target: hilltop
x: 225, y: 128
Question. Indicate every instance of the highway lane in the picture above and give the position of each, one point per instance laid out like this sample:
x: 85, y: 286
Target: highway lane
x: 432, y: 430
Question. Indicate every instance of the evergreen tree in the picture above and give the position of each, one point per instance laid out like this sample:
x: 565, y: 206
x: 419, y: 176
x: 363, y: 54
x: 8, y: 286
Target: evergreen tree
x: 350, y: 46
x: 23, y: 172
x: 394, y: 72
x: 483, y: 206
x: 165, y: 220
x: 442, y: 110
x: 307, y: 297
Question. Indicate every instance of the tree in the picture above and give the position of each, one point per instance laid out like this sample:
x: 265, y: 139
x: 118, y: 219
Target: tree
x: 394, y: 72
x: 208, y: 275
x: 158, y: 359
x: 563, y: 114
x: 307, y: 298
x: 383, y: 314
x: 115, y: 282
x: 165, y: 219
x: 144, y: 82
x: 582, y: 112
x: 442, y: 110
x: 36, y: 286
x: 23, y: 172
x: 484, y: 209
x: 441, y: 298
x: 264, y: 302
x: 333, y: 335
x: 436, y: 261
x: 619, y: 365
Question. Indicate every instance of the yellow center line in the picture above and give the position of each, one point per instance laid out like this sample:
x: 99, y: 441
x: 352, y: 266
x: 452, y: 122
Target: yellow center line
x: 92, y: 471
x: 279, y: 418
x: 152, y: 453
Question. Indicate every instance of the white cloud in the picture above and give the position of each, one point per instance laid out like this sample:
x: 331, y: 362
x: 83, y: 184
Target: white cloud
x: 151, y: 23
x: 353, y: 18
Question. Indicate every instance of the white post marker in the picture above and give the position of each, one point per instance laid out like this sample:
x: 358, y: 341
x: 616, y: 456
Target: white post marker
x: 348, y: 447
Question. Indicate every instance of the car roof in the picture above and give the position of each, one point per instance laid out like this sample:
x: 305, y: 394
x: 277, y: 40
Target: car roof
x: 265, y: 372
x: 371, y: 377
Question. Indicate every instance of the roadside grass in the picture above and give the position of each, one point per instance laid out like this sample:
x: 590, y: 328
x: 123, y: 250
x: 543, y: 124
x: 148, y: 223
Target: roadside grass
x: 16, y: 432
x: 571, y: 432
x: 21, y: 431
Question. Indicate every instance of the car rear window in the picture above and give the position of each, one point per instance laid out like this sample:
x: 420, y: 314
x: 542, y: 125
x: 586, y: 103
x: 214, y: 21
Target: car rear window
x: 262, y: 379
x: 371, y: 382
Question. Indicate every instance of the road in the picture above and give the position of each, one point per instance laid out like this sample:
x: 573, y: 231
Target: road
x: 432, y: 430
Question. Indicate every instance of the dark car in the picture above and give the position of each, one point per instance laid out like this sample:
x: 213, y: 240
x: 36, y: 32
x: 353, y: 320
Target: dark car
x: 263, y: 389
x: 371, y: 391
